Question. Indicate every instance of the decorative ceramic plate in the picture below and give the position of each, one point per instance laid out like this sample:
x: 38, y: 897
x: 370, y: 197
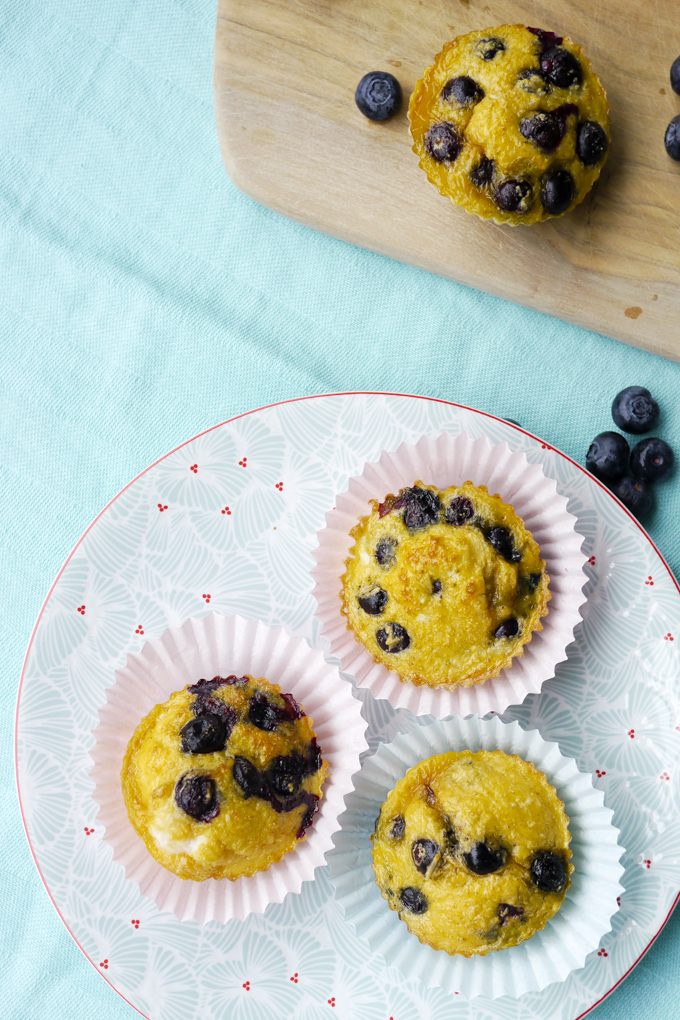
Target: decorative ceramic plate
x: 227, y: 522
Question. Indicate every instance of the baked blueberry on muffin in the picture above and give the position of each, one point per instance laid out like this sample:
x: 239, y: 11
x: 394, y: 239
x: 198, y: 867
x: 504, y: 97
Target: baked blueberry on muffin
x: 444, y: 587
x: 224, y: 778
x: 511, y: 123
x: 472, y: 851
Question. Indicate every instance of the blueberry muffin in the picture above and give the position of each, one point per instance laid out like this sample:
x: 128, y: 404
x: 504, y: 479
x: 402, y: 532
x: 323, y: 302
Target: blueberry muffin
x: 472, y: 851
x: 223, y: 779
x: 444, y: 588
x: 511, y: 123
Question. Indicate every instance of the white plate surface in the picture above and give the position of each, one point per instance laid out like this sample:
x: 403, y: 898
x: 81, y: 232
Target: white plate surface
x: 166, y: 549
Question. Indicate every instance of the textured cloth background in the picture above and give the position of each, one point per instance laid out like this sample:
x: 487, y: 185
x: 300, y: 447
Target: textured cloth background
x: 144, y: 299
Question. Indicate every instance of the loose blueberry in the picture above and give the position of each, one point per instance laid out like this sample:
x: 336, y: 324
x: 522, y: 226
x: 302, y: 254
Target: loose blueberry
x: 532, y: 81
x: 607, y: 456
x: 506, y: 912
x: 675, y: 75
x: 501, y: 539
x: 393, y: 638
x: 482, y: 174
x: 196, y: 795
x: 378, y: 95
x: 488, y: 48
x: 635, y: 409
x: 437, y: 587
x: 204, y: 735
x: 421, y: 508
x: 459, y: 511
x: 398, y: 827
x: 513, y: 196
x: 557, y: 192
x: 672, y: 138
x: 591, y: 142
x: 443, y: 142
x: 483, y: 859
x: 651, y: 460
x: 463, y: 90
x: 634, y: 495
x: 423, y: 852
x: 507, y: 629
x: 545, y: 130
x: 413, y: 900
x: 548, y: 871
x: 560, y: 67
x: 373, y: 600
x: 285, y: 774
x: 386, y: 552
x: 248, y: 777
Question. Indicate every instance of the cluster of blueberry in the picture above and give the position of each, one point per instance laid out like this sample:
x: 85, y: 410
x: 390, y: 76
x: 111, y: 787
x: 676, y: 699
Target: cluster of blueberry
x: 672, y: 139
x: 635, y: 411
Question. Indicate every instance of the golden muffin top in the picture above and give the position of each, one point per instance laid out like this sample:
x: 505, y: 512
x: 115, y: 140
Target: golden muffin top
x: 512, y: 123
x: 224, y: 778
x: 444, y: 587
x: 472, y: 851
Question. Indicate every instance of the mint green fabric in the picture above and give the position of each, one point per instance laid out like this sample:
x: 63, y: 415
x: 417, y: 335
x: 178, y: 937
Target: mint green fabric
x: 145, y: 299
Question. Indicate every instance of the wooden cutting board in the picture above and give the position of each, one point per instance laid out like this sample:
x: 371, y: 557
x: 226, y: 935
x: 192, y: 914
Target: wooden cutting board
x: 291, y: 137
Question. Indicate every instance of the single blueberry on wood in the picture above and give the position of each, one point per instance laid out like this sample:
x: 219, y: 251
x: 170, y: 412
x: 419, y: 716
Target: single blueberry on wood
x: 393, y: 638
x: 672, y: 138
x: 204, y: 735
x: 548, y: 871
x: 196, y: 796
x: 413, y: 900
x: 651, y: 460
x: 607, y: 456
x: 675, y: 75
x: 635, y: 409
x: 484, y: 860
x: 378, y: 95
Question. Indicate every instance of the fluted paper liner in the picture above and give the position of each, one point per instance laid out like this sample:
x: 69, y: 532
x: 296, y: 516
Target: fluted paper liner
x: 443, y: 461
x: 219, y: 646
x: 551, y: 954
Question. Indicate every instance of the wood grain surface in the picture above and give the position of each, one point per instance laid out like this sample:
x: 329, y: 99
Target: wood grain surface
x: 291, y: 137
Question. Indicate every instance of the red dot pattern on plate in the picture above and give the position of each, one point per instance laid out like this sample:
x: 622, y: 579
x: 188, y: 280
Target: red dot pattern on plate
x: 194, y: 468
x: 331, y: 1002
x: 602, y: 952
x: 664, y: 775
x: 206, y: 597
x: 81, y: 610
x: 88, y: 832
x: 647, y: 864
x: 631, y: 734
x: 162, y: 506
x: 243, y: 463
x: 104, y: 964
x: 668, y: 637
x: 134, y: 923
x: 649, y: 580
x: 544, y: 446
x: 591, y: 560
x: 279, y: 486
x: 599, y: 773
x: 227, y: 511
x: 618, y: 901
x: 140, y: 629
x: 295, y: 977
x: 246, y: 985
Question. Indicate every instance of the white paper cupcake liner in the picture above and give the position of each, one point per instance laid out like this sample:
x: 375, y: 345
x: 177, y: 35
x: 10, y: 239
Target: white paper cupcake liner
x: 443, y: 461
x: 551, y: 954
x: 219, y: 646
